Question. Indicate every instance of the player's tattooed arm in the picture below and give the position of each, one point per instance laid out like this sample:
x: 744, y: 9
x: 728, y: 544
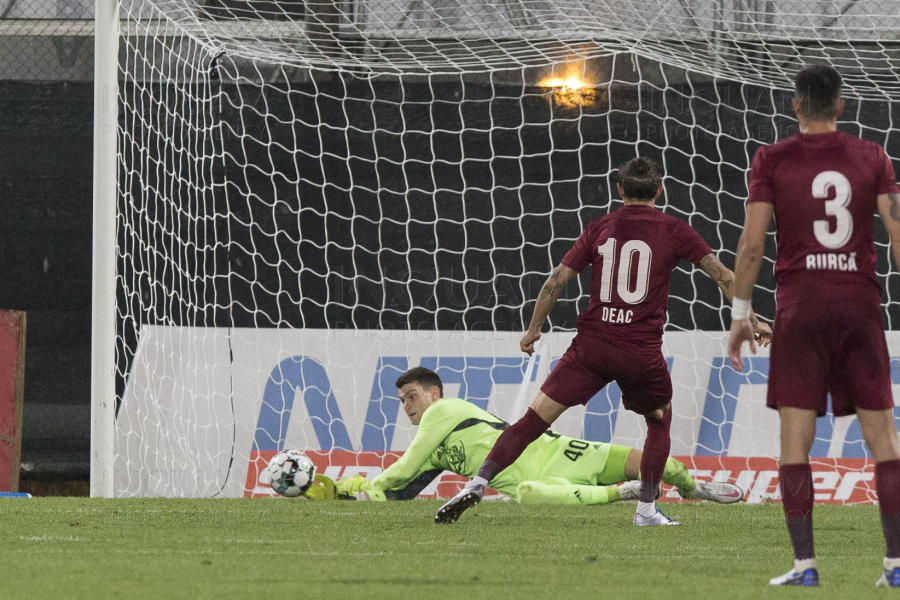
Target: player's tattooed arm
x: 546, y: 300
x: 724, y: 278
x: 554, y: 284
x: 719, y: 273
x: 894, y: 199
x: 889, y: 209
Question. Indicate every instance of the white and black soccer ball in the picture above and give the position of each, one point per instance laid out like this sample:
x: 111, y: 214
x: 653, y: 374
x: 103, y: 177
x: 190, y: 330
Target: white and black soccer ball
x: 291, y: 473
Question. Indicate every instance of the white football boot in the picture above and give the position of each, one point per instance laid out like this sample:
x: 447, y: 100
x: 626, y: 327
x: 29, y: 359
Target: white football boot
x: 804, y: 574
x: 630, y: 490
x: 891, y: 575
x: 658, y: 518
x: 721, y: 492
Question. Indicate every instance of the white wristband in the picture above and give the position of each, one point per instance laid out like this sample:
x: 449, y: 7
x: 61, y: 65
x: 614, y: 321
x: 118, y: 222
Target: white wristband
x: 740, y: 309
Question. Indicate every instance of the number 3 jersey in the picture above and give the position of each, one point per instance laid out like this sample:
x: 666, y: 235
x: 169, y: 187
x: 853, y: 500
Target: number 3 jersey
x: 824, y: 191
x: 633, y: 252
x: 456, y: 435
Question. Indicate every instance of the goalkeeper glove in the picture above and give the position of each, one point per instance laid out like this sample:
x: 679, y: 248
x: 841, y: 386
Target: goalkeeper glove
x: 358, y: 488
x: 351, y: 485
x: 323, y: 488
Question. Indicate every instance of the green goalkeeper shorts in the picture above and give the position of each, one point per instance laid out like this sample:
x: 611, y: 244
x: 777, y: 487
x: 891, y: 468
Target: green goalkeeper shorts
x: 585, y: 463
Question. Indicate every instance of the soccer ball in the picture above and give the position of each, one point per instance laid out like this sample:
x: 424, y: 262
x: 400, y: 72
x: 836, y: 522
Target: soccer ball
x: 291, y: 473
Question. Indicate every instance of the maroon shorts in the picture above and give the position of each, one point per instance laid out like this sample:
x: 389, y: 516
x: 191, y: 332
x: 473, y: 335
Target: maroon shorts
x: 822, y: 347
x: 589, y: 364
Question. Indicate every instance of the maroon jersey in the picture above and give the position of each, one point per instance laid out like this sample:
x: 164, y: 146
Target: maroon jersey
x: 633, y: 252
x: 824, y: 191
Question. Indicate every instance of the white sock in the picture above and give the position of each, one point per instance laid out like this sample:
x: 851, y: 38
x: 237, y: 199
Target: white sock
x: 646, y: 509
x: 476, y: 481
x: 802, y: 565
x: 891, y: 563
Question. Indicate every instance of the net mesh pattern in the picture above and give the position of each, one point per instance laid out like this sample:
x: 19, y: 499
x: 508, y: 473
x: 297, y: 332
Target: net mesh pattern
x: 416, y: 166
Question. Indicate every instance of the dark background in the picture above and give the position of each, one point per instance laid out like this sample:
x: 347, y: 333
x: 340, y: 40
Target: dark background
x: 380, y: 204
x: 45, y: 253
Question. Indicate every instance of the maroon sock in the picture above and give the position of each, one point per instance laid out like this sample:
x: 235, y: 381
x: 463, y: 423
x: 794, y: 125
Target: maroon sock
x: 797, y: 497
x: 511, y: 443
x: 656, y: 452
x: 887, y: 484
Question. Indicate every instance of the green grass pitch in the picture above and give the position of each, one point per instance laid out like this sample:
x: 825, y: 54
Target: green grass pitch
x: 66, y: 548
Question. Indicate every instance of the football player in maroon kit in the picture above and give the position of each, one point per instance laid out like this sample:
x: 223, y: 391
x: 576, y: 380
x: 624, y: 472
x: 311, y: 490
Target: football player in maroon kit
x: 824, y: 188
x: 633, y: 252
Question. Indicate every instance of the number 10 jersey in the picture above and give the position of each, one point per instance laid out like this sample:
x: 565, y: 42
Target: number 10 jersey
x: 633, y: 252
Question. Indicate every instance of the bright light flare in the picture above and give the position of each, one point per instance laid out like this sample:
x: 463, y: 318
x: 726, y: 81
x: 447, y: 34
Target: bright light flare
x: 570, y: 91
x: 572, y: 83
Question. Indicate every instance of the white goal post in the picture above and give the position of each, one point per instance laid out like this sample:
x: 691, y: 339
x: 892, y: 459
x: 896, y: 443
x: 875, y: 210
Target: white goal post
x: 295, y: 201
x: 103, y: 271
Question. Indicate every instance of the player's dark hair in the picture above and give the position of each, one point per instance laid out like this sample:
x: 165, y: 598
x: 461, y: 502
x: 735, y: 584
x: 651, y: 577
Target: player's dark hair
x: 422, y: 376
x: 818, y: 89
x: 640, y: 178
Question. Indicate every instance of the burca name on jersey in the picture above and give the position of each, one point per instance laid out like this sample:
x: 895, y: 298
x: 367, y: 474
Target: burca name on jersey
x: 832, y: 261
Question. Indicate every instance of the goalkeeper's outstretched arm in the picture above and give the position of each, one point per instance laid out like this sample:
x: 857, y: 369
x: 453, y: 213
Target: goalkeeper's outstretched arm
x: 358, y: 488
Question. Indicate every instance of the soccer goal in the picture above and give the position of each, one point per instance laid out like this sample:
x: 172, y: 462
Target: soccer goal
x: 304, y: 199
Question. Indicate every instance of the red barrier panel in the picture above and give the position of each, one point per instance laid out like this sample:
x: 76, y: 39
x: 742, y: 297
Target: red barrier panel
x: 836, y: 480
x: 12, y: 387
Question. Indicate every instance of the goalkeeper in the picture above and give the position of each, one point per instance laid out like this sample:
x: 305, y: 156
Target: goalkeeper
x: 455, y: 435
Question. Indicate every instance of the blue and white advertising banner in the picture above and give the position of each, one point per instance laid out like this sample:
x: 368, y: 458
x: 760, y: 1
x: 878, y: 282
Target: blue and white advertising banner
x: 203, y: 406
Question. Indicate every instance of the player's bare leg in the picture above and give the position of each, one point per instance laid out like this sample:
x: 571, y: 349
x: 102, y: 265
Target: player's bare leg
x: 880, y: 434
x: 631, y: 489
x: 653, y: 462
x: 798, y: 430
x: 509, y: 446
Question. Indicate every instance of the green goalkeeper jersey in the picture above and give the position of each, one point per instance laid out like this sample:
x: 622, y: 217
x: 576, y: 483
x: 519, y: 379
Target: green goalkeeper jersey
x: 456, y: 435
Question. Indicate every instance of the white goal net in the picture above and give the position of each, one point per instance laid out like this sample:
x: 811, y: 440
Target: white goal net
x: 315, y: 196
